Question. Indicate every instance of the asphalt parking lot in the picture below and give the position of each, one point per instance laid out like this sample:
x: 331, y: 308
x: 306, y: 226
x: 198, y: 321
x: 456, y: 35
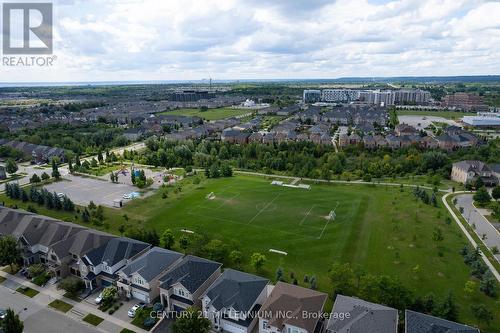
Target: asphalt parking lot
x: 82, y: 190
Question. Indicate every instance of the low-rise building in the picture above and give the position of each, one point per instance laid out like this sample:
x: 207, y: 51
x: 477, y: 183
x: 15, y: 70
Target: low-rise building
x: 354, y: 315
x: 416, y: 322
x: 140, y: 279
x: 468, y: 171
x: 183, y: 285
x: 100, y: 266
x: 303, y: 306
x: 233, y: 301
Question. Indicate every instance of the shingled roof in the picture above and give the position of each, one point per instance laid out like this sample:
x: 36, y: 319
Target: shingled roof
x: 422, y: 323
x: 237, y: 290
x: 152, y: 263
x: 191, y: 273
x: 116, y: 250
x: 364, y: 317
x: 287, y: 298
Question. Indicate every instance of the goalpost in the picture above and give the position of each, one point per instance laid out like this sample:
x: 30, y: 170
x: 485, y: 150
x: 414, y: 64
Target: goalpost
x: 210, y: 196
x: 332, y: 215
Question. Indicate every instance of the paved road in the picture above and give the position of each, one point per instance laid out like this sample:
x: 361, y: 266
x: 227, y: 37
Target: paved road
x: 482, y: 225
x: 36, y: 316
x: 469, y: 237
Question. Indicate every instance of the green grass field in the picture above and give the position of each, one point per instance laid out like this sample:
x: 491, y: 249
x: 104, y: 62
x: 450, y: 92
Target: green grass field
x: 444, y: 114
x: 379, y: 228
x: 210, y: 114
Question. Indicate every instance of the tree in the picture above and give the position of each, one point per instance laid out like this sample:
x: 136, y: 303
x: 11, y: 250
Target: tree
x: 11, y: 323
x: 236, y: 258
x: 488, y: 284
x: 495, y: 193
x: 9, y: 251
x: 470, y: 287
x: 190, y: 321
x: 10, y: 166
x: 109, y: 294
x: 437, y: 235
x: 71, y: 285
x: 481, y: 313
x: 482, y: 196
x: 167, y: 239
x: 279, y: 274
x: 216, y: 250
x: 45, y: 176
x: 55, y: 169
x: 36, y: 270
x: 447, y: 309
x: 257, y: 260
x: 313, y: 284
x: 342, y: 278
x: 184, y: 243
x: 35, y: 179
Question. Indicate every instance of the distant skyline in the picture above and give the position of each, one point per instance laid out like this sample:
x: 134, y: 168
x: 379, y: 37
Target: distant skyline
x: 267, y: 39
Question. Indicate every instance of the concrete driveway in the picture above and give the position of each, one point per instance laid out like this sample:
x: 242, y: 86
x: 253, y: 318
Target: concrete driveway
x: 484, y: 229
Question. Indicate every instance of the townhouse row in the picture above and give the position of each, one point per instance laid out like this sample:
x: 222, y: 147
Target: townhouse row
x: 233, y: 301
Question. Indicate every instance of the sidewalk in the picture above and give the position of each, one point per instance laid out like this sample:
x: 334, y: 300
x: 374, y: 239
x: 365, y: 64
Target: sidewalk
x: 80, y: 309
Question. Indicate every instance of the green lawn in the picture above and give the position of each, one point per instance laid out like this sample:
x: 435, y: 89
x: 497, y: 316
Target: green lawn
x: 444, y: 114
x: 126, y: 330
x: 60, y: 305
x: 27, y: 291
x: 379, y: 228
x: 210, y: 114
x: 93, y: 319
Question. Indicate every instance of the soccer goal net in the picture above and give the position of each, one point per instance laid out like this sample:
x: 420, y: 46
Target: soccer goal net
x: 332, y: 215
x: 210, y: 196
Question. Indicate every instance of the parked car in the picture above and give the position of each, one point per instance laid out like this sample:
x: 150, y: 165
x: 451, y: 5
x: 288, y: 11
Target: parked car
x: 3, y: 314
x: 133, y: 310
x: 98, y: 299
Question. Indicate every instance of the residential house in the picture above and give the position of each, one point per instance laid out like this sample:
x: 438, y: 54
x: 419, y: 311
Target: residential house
x: 380, y: 141
x: 233, y: 301
x: 421, y: 323
x: 183, y: 285
x: 429, y: 142
x: 64, y: 256
x: 35, y: 233
x: 303, y: 305
x: 100, y: 266
x: 467, y: 171
x: 234, y: 136
x: 140, y: 279
x: 405, y: 129
x: 369, y: 142
x: 393, y: 141
x: 133, y: 134
x: 255, y: 137
x: 353, y: 315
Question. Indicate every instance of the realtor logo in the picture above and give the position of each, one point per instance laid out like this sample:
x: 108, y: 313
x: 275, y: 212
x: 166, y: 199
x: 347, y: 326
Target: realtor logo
x: 27, y: 28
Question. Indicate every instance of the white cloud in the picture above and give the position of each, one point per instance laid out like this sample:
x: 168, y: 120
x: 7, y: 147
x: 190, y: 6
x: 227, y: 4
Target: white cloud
x: 237, y: 39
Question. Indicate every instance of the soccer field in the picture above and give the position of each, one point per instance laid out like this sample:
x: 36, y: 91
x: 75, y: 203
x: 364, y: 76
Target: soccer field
x: 298, y: 212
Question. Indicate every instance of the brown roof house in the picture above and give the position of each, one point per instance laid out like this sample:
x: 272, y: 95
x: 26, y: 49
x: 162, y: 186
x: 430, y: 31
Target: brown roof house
x: 292, y: 309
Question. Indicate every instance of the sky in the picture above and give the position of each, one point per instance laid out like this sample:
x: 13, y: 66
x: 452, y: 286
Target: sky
x: 123, y: 40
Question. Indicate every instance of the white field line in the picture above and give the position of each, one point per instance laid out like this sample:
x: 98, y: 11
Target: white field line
x: 307, y: 214
x: 264, y: 208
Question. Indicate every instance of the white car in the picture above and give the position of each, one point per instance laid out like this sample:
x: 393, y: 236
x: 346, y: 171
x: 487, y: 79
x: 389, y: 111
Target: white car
x: 132, y: 311
x: 98, y: 299
x: 126, y: 196
x: 3, y: 314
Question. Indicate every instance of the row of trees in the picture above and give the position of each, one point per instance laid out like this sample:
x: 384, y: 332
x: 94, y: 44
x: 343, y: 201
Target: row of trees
x: 306, y: 159
x: 39, y: 196
x: 488, y: 283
